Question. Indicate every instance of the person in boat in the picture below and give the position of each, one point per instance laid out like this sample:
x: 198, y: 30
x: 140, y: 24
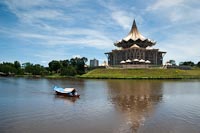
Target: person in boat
x: 74, y: 93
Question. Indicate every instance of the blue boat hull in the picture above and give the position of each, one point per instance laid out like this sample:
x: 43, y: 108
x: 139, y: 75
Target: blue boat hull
x: 60, y: 91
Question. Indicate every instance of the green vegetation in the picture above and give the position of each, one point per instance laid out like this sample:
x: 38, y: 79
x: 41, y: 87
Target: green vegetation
x: 75, y: 67
x: 56, y: 69
x: 142, y: 74
x: 188, y: 63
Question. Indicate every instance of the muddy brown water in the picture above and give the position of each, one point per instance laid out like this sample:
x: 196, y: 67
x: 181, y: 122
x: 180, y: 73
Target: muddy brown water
x: 105, y: 106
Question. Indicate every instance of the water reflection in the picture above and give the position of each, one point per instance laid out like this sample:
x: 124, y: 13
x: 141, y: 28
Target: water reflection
x: 135, y: 100
x: 105, y: 106
x: 66, y: 99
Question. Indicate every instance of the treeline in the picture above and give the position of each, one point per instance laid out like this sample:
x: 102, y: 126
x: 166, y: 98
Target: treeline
x: 189, y: 63
x: 72, y: 67
x: 185, y: 63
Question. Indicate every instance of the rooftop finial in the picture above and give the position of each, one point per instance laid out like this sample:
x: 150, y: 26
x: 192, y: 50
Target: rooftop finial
x: 134, y: 28
x: 134, y: 34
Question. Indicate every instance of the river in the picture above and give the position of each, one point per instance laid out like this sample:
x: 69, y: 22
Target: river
x: 29, y: 105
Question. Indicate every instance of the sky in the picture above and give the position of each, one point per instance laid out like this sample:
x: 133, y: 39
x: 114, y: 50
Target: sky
x: 39, y: 31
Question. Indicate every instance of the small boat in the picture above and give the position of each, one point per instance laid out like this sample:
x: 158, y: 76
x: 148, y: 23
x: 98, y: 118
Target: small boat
x: 70, y: 92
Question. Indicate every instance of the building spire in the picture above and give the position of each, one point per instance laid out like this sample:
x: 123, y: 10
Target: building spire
x: 134, y: 34
x: 134, y: 27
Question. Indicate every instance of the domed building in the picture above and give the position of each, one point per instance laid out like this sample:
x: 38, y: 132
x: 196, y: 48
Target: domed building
x: 135, y: 49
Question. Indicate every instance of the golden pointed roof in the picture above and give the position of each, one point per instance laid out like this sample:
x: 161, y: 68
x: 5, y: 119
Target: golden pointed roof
x: 134, y: 37
x: 134, y: 34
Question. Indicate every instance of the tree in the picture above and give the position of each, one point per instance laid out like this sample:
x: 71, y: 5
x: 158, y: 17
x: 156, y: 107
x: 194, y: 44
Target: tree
x: 36, y: 69
x: 65, y: 63
x: 198, y: 64
x: 6, y: 68
x: 79, y: 64
x: 54, y: 66
x: 68, y: 71
x: 187, y: 63
x: 173, y: 62
x: 24, y: 65
x: 17, y: 65
x: 84, y: 59
x: 73, y: 61
x: 28, y: 67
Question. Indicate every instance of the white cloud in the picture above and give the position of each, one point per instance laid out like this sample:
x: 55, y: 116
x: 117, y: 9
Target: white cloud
x: 35, y: 11
x: 41, y: 14
x: 37, y: 18
x: 31, y: 4
x: 122, y: 18
x: 49, y: 54
x: 74, y: 23
x: 80, y: 37
x: 177, y: 10
x: 25, y: 4
x: 28, y: 13
x: 76, y: 56
x: 179, y: 35
x: 32, y: 35
x: 163, y: 4
x: 182, y: 47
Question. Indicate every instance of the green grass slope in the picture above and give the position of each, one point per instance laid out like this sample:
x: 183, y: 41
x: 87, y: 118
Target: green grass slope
x: 143, y: 74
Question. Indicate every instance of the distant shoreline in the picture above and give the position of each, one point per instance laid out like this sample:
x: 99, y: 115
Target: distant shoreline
x: 40, y: 76
x: 46, y: 76
x: 126, y: 74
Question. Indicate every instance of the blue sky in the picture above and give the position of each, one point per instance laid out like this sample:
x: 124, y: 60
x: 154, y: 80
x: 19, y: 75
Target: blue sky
x: 39, y: 31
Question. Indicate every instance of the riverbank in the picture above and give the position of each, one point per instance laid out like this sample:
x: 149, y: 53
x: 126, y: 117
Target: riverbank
x: 142, y: 74
x: 127, y: 74
x: 54, y: 76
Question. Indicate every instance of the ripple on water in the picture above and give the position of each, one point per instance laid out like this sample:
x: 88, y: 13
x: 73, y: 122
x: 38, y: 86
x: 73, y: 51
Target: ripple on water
x: 104, y: 106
